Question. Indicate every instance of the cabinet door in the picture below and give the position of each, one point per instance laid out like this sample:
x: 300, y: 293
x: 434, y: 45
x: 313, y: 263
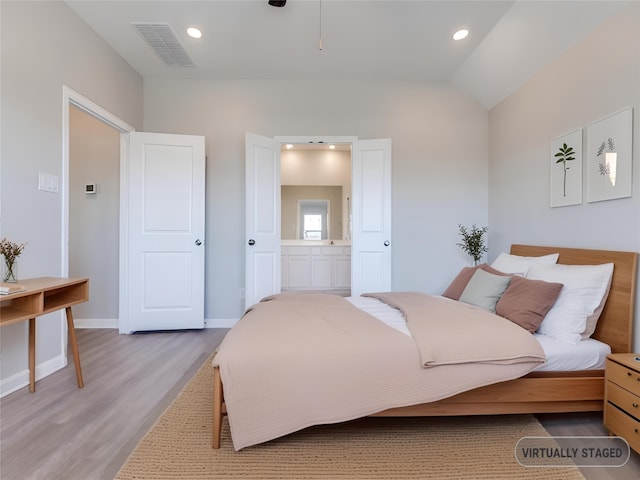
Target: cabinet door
x: 299, y: 271
x: 321, y: 271
x: 342, y: 272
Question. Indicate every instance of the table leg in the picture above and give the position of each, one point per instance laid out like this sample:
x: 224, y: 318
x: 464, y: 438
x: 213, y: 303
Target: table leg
x: 74, y: 346
x: 32, y: 355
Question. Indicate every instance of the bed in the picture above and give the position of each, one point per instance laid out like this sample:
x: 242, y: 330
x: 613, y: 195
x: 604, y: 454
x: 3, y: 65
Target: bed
x: 534, y: 392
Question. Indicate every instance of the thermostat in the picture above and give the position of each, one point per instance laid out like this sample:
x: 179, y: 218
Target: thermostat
x: 90, y: 188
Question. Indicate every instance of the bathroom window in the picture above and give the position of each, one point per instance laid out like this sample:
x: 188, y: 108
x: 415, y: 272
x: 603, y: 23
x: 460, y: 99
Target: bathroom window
x: 313, y: 216
x: 312, y: 229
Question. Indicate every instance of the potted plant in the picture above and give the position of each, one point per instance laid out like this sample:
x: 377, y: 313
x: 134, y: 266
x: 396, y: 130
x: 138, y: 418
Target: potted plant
x: 473, y: 241
x: 10, y: 251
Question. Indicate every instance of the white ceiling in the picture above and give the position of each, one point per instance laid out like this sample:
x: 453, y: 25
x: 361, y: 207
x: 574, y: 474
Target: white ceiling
x: 380, y: 39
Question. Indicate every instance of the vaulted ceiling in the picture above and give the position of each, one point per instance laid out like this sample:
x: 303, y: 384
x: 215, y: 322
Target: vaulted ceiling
x: 353, y: 39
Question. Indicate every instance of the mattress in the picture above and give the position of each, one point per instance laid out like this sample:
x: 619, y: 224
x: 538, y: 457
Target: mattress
x: 589, y: 354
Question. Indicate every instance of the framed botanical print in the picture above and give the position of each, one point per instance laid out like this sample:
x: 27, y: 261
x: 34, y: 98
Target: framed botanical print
x: 566, y: 169
x: 609, y: 156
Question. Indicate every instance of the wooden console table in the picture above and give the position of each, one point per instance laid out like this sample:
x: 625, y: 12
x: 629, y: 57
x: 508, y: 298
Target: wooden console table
x: 40, y: 296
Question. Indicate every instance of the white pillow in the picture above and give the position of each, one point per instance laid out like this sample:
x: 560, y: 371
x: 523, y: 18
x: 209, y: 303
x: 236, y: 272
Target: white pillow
x: 584, y: 289
x: 592, y: 320
x: 517, y: 265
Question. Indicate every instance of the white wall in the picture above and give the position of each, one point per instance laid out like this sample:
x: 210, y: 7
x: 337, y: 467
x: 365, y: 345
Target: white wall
x: 44, y: 45
x: 440, y: 175
x: 599, y: 76
x: 315, y: 167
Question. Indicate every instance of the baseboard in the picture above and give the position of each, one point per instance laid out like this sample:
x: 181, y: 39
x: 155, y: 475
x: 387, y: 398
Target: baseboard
x: 21, y: 379
x: 96, y: 322
x: 113, y: 322
x: 220, y: 322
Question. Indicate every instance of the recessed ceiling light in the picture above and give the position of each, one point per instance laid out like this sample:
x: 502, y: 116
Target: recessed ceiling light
x: 194, y: 32
x: 289, y: 146
x: 460, y: 34
x: 332, y: 147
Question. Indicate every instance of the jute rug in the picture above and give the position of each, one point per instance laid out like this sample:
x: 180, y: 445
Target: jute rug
x: 178, y: 447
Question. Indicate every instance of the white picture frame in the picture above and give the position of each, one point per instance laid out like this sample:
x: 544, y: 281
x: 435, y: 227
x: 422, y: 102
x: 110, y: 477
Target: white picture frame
x: 610, y: 156
x: 565, y: 169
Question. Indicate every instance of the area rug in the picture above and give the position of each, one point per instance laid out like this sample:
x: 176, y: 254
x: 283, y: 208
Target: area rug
x: 178, y: 446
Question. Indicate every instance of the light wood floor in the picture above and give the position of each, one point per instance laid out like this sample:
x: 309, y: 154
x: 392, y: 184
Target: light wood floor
x: 62, y: 432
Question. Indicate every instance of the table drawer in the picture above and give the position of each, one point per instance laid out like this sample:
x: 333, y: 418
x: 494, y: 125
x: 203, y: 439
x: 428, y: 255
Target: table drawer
x: 623, y: 399
x: 621, y: 424
x: 623, y: 376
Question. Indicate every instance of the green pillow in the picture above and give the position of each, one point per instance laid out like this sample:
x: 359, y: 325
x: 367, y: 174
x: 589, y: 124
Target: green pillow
x: 485, y: 289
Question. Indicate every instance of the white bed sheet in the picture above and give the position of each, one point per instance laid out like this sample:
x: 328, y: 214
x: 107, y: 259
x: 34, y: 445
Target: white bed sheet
x: 589, y: 354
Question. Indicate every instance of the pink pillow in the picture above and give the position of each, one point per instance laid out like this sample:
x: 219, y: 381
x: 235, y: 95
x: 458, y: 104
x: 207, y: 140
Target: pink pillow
x: 526, y: 302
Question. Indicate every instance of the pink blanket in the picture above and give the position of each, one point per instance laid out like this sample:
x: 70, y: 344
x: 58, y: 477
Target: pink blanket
x: 297, y: 360
x: 449, y: 333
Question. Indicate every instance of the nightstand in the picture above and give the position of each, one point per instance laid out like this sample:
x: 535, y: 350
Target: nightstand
x: 622, y: 397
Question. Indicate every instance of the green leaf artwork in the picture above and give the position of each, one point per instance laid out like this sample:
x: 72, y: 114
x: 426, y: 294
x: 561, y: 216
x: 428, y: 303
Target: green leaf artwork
x: 565, y: 154
x: 603, y: 167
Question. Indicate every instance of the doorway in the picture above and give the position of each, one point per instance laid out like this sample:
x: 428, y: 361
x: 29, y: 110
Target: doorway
x: 94, y: 163
x: 80, y: 104
x: 166, y: 152
x: 315, y: 242
x: 370, y: 207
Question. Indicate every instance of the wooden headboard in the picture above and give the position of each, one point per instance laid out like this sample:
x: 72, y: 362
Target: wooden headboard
x: 615, y: 325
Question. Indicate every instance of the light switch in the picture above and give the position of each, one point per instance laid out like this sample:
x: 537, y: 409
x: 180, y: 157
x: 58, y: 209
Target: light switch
x: 48, y: 182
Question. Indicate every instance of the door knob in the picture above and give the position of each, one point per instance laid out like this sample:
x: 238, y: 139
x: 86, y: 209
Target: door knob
x: 386, y: 243
x: 198, y: 242
x: 252, y: 241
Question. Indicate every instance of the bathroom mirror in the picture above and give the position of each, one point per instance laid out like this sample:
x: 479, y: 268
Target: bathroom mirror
x: 311, y: 212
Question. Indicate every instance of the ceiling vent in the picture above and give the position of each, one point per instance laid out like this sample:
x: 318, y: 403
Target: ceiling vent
x: 164, y: 42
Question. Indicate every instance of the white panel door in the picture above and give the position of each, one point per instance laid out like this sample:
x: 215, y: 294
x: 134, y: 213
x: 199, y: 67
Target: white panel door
x: 371, y: 217
x: 166, y: 204
x: 262, y: 275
